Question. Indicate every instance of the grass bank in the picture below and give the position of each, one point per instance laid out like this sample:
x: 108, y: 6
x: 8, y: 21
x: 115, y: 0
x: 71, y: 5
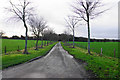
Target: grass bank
x: 17, y: 57
x: 103, y: 67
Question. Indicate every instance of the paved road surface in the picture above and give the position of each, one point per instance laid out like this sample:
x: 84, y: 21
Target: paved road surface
x: 57, y: 64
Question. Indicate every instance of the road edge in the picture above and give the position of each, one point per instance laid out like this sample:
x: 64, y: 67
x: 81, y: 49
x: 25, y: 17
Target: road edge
x: 29, y: 60
x: 80, y: 61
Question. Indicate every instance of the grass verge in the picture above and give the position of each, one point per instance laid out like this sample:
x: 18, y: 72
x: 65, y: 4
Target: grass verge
x: 18, y: 58
x: 103, y: 67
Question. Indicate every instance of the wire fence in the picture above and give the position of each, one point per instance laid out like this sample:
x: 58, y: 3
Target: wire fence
x: 7, y: 49
x: 101, y: 48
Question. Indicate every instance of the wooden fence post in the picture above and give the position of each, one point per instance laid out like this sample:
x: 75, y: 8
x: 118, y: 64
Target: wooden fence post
x: 47, y: 43
x: 18, y: 49
x: 44, y: 43
x: 114, y: 52
x: 101, y: 51
x: 5, y: 50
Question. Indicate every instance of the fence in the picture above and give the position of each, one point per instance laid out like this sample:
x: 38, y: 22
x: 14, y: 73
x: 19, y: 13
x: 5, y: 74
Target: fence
x: 6, y: 49
x: 101, y: 48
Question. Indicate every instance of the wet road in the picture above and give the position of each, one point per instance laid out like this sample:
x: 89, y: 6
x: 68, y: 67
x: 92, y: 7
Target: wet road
x: 57, y: 64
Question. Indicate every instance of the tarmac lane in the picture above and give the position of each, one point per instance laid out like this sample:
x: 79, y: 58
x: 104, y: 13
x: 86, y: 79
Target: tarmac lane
x: 56, y: 64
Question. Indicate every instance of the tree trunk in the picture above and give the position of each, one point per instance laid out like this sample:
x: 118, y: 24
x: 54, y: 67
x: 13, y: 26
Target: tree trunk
x: 88, y: 24
x: 37, y: 44
x: 42, y: 42
x: 47, y: 43
x: 67, y: 39
x: 26, y: 37
x: 73, y: 39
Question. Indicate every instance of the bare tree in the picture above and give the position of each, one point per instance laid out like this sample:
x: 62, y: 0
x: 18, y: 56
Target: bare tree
x: 50, y: 30
x: 72, y: 24
x: 46, y: 34
x: 67, y: 33
x: 86, y: 10
x: 1, y: 33
x: 49, y: 34
x: 37, y: 27
x: 21, y: 12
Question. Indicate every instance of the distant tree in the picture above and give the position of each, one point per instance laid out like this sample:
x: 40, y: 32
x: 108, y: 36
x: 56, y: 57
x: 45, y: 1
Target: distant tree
x: 21, y: 12
x: 54, y: 37
x: 86, y: 10
x: 72, y: 24
x: 15, y: 37
x: 5, y: 37
x: 49, y: 34
x: 46, y: 34
x: 67, y: 33
x: 63, y: 37
x: 22, y: 37
x: 37, y: 24
x: 1, y: 33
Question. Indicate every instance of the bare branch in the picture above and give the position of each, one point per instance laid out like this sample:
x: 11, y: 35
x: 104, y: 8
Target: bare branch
x: 71, y: 22
x: 16, y: 8
x: 14, y: 11
x: 37, y: 24
x: 84, y: 7
x: 21, y: 12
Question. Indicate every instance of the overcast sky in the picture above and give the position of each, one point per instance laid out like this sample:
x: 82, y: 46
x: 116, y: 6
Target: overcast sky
x: 54, y: 11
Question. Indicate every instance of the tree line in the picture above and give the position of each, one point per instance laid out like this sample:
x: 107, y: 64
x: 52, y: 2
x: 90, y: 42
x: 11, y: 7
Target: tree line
x: 61, y: 37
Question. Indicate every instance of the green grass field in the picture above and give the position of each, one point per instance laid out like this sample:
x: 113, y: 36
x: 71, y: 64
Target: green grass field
x: 12, y: 45
x: 102, y: 66
x: 107, y: 47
